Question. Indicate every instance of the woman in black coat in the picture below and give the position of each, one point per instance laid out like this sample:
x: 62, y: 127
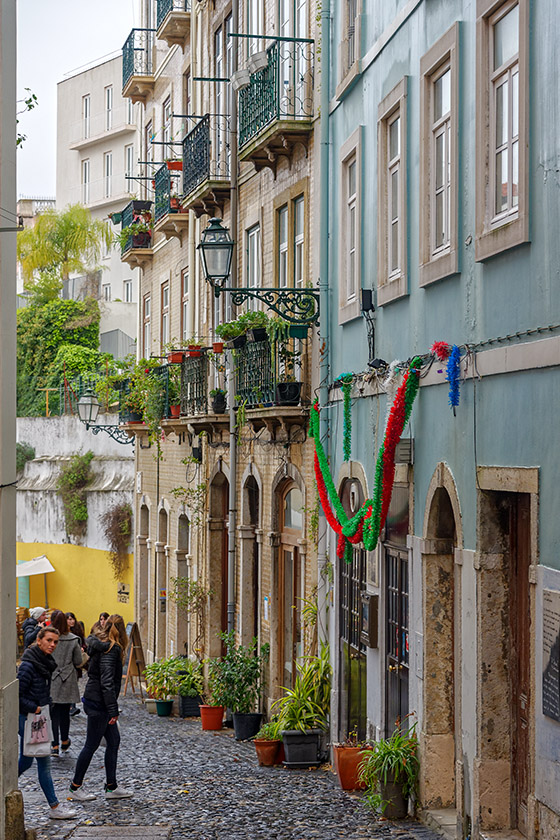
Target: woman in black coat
x: 34, y: 675
x: 105, y: 667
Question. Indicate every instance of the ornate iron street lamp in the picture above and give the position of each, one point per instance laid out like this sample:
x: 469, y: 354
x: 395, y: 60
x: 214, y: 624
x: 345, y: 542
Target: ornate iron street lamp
x: 297, y: 306
x: 88, y: 409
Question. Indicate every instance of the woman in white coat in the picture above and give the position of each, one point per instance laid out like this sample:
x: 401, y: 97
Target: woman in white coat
x: 64, y: 685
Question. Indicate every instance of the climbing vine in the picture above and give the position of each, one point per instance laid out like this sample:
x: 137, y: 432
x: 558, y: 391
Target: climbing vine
x: 72, y: 482
x: 116, y: 523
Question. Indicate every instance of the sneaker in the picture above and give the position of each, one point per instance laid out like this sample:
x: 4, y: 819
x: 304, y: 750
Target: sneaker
x: 54, y: 751
x: 118, y: 793
x: 62, y: 813
x: 75, y: 711
x: 80, y: 795
x: 65, y: 745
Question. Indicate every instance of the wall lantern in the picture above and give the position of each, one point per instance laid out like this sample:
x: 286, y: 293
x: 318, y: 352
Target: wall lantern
x: 216, y: 252
x: 88, y: 410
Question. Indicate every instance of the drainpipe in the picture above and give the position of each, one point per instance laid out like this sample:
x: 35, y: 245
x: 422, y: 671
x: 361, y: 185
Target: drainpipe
x: 324, y: 366
x: 233, y: 204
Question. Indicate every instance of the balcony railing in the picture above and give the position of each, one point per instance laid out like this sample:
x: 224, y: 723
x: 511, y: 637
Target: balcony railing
x: 137, y: 54
x: 255, y: 383
x: 166, y: 6
x: 194, y: 386
x: 283, y: 90
x: 166, y: 199
x: 139, y: 240
x: 206, y: 155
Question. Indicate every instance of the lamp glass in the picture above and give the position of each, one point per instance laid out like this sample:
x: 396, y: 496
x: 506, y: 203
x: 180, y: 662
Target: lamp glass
x: 88, y: 407
x: 216, y: 251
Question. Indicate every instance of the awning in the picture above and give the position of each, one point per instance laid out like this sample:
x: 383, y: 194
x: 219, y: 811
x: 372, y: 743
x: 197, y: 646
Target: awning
x: 38, y: 566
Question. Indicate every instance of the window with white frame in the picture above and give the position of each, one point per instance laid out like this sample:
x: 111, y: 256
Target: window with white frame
x: 350, y: 216
x: 299, y: 236
x: 148, y: 137
x: 164, y: 331
x: 129, y: 111
x: 391, y: 213
x: 127, y: 291
x: 167, y: 149
x: 254, y: 26
x: 109, y: 108
x: 349, y: 52
x: 146, y: 325
x: 85, y: 181
x: 351, y: 15
x: 185, y: 304
x: 128, y: 167
x: 502, y: 135
x: 108, y: 174
x: 282, y: 257
x: 438, y: 159
x: 86, y: 116
x: 106, y: 291
x: 254, y: 275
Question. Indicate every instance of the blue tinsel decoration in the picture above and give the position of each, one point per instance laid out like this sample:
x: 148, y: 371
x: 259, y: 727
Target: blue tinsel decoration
x: 452, y: 376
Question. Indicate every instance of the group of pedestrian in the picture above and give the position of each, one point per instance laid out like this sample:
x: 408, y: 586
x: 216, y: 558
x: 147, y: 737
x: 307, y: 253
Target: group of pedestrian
x: 53, y: 658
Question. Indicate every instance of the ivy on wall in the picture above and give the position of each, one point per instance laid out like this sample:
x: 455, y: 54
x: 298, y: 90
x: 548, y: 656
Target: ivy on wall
x: 74, y: 478
x: 116, y: 523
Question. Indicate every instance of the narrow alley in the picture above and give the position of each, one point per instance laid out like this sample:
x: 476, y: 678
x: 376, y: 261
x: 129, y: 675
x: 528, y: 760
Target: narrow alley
x: 204, y: 786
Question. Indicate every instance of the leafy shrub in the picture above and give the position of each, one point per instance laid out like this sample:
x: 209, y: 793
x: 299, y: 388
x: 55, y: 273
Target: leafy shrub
x: 71, y: 484
x: 24, y: 453
x: 116, y: 523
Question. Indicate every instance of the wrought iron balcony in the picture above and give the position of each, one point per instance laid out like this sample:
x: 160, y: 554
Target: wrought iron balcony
x: 137, y: 249
x: 276, y: 109
x: 255, y: 382
x: 168, y: 216
x: 173, y: 21
x: 194, y: 385
x: 206, y: 165
x: 137, y: 64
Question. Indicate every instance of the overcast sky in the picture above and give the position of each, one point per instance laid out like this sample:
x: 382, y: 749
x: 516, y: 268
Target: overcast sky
x: 56, y: 37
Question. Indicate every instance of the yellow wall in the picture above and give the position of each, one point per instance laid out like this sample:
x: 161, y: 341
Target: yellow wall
x: 83, y: 582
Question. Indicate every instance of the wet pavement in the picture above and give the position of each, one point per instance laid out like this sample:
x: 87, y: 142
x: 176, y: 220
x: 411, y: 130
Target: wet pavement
x: 203, y: 786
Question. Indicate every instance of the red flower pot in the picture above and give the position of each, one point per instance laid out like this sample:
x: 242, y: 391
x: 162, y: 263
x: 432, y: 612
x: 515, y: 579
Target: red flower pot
x: 211, y: 717
x: 176, y: 357
x: 218, y: 347
x: 175, y: 410
x: 267, y: 751
x: 347, y: 762
x: 194, y: 351
x: 175, y: 165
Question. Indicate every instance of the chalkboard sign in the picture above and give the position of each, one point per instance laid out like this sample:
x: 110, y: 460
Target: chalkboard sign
x: 134, y: 658
x: 551, y: 654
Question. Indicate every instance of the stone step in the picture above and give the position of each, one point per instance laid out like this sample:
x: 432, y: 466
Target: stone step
x: 443, y: 820
x: 506, y: 834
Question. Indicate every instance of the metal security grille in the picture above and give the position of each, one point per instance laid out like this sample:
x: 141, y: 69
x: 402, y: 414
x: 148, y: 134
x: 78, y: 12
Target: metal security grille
x: 397, y: 651
x: 163, y: 192
x: 166, y: 6
x: 194, y: 386
x: 137, y: 54
x: 352, y: 584
x: 254, y: 374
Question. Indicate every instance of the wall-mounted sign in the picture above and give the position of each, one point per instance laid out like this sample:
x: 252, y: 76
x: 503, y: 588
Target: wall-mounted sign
x: 551, y: 654
x: 370, y: 620
x: 123, y: 593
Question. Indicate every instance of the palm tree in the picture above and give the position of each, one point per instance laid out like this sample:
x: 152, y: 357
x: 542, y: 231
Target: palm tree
x: 62, y: 242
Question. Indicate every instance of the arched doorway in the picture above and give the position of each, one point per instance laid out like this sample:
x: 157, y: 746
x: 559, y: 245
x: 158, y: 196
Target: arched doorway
x: 162, y: 548
x: 441, y: 588
x: 218, y: 561
x: 142, y: 571
x: 182, y: 623
x: 249, y: 562
x: 352, y: 653
x: 290, y: 581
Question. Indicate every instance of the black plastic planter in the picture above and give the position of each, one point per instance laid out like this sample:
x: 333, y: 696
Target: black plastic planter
x: 288, y: 393
x: 237, y: 342
x: 258, y: 334
x: 392, y: 794
x: 302, y: 749
x: 298, y: 331
x: 246, y: 725
x: 189, y: 706
x: 140, y: 206
x: 219, y: 404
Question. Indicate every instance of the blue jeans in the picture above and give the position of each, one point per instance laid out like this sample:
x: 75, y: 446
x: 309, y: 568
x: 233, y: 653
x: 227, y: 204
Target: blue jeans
x: 43, y: 767
x: 97, y: 728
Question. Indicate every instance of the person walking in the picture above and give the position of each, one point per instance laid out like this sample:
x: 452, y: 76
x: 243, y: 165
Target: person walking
x: 34, y: 675
x: 64, y: 686
x: 97, y: 628
x: 76, y: 627
x: 105, y: 667
x: 32, y: 625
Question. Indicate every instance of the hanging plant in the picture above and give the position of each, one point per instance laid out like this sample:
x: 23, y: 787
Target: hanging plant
x: 72, y: 482
x: 117, y: 529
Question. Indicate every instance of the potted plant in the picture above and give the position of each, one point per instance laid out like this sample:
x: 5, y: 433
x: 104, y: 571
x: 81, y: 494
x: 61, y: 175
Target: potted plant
x: 139, y: 232
x: 141, y: 206
x: 212, y: 712
x: 268, y: 743
x: 243, y: 675
x: 218, y: 396
x: 218, y: 347
x: 288, y: 390
x: 390, y: 772
x: 190, y: 683
x: 162, y: 683
x: 132, y: 404
x: 174, y: 390
x: 303, y: 710
x: 347, y: 760
x: 174, y: 165
x: 235, y: 332
x: 175, y: 357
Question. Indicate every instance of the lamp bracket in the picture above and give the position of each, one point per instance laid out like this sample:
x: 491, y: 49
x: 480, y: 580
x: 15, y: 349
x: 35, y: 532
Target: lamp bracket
x: 115, y: 432
x: 297, y: 306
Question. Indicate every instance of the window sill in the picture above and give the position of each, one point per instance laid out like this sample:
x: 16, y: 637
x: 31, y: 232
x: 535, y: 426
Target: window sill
x: 348, y: 311
x: 392, y: 290
x: 496, y: 240
x: 438, y: 268
x: 347, y: 83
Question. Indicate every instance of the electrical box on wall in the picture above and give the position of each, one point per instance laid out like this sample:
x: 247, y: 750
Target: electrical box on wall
x: 370, y: 620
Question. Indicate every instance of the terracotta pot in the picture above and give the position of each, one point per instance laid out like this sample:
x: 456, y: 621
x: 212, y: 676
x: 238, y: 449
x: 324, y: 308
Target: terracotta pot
x: 175, y: 165
x: 175, y: 410
x: 218, y: 347
x: 267, y: 751
x: 347, y: 762
x: 193, y: 351
x: 176, y: 357
x: 211, y: 717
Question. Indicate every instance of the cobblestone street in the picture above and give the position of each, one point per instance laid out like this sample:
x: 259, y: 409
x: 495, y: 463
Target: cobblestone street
x: 193, y: 784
